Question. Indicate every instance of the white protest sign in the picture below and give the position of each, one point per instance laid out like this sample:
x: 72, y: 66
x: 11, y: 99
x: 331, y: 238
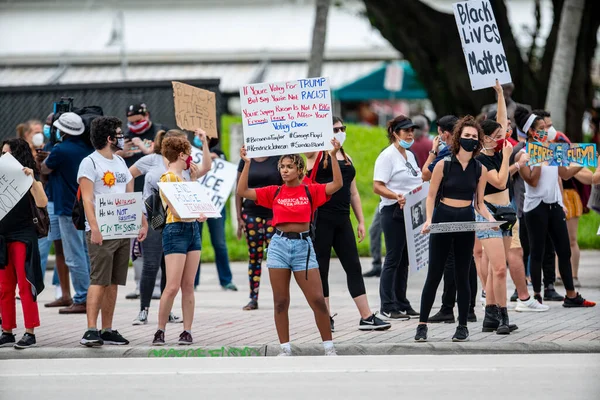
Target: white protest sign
x: 414, y: 219
x: 14, y: 184
x: 467, y: 226
x: 219, y: 181
x: 190, y: 199
x: 287, y: 117
x: 119, y: 215
x: 481, y: 43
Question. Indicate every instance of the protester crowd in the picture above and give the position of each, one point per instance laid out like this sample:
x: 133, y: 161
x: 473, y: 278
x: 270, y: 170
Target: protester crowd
x: 298, y: 208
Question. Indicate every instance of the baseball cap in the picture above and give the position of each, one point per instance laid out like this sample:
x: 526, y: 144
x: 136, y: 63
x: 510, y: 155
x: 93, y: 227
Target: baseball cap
x: 137, y: 109
x: 447, y: 122
x: 70, y: 123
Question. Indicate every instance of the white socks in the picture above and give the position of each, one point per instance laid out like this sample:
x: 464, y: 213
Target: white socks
x: 328, y: 345
x: 287, y: 347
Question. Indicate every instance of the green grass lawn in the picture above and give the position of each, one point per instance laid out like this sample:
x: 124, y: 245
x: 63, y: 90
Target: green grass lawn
x: 363, y: 144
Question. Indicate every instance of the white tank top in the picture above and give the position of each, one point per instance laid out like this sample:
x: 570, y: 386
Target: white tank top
x: 546, y: 191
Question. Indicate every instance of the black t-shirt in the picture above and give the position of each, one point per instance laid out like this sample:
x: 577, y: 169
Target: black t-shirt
x: 492, y: 163
x: 340, y: 200
x: 150, y: 134
x: 19, y: 217
x: 261, y: 174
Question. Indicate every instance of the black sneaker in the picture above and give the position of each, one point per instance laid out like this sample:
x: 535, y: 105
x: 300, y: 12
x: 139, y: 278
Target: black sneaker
x: 514, y: 296
x: 28, y: 340
x: 471, y: 317
x: 578, y: 301
x: 373, y: 324
x: 185, y: 338
x: 552, y: 295
x: 393, y: 316
x: 113, y: 337
x: 332, y: 322
x: 7, y: 339
x: 375, y: 272
x: 91, y: 338
x: 461, y: 334
x: 411, y: 313
x: 159, y: 338
x: 421, y: 335
x: 447, y: 318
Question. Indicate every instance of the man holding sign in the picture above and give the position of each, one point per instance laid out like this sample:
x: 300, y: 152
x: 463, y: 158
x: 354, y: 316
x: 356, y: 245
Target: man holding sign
x: 105, y: 173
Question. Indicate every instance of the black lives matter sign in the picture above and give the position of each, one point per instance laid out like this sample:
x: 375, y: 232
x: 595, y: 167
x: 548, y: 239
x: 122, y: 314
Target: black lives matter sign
x: 481, y: 43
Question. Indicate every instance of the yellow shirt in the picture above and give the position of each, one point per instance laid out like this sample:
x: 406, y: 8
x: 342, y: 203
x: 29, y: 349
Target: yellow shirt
x: 171, y: 177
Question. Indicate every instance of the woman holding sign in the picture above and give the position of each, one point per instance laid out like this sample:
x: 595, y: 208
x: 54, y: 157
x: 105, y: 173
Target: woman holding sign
x: 291, y: 248
x: 544, y: 211
x: 181, y: 244
x: 19, y: 255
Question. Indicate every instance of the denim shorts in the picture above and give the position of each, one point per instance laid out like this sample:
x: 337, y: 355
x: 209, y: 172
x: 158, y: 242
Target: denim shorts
x: 291, y: 253
x: 490, y: 233
x: 181, y: 237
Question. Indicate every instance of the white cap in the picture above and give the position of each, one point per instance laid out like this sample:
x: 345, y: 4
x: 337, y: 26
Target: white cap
x: 70, y: 123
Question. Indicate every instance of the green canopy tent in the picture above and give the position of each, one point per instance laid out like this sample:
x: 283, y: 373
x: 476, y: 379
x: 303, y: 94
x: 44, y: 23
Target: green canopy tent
x: 370, y: 87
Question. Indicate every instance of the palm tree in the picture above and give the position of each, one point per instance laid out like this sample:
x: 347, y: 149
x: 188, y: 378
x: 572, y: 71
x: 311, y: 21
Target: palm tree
x: 318, y: 41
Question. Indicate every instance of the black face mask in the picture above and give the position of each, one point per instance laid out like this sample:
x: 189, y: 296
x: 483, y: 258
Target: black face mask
x: 469, y: 144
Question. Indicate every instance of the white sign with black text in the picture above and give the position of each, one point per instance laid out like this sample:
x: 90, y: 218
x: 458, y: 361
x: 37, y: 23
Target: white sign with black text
x: 119, y: 215
x: 219, y: 181
x: 14, y: 184
x: 414, y: 218
x: 189, y: 199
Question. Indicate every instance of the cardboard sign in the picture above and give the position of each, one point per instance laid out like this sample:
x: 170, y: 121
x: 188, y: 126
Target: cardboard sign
x: 219, y: 181
x: 414, y: 219
x: 190, y: 199
x: 481, y: 43
x: 119, y: 215
x: 287, y: 117
x: 14, y: 184
x: 468, y: 226
x: 195, y: 108
x: 562, y: 154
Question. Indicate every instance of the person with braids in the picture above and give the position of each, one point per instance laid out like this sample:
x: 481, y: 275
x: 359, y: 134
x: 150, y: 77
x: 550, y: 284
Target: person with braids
x: 291, y: 249
x: 19, y: 254
x: 334, y: 229
x: 544, y: 211
x: 460, y: 181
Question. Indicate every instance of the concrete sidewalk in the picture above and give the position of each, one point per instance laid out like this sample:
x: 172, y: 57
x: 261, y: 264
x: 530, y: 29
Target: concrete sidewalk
x: 222, y: 329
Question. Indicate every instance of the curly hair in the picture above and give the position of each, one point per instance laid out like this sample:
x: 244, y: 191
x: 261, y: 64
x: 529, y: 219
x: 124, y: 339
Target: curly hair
x: 102, y: 128
x: 20, y: 150
x: 297, y: 160
x: 173, y: 146
x: 464, y: 122
x: 162, y: 135
x: 391, y: 126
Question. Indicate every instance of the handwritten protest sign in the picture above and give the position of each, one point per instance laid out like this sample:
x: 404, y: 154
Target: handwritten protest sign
x: 287, y: 117
x: 219, y: 181
x: 414, y: 218
x: 562, y: 154
x: 14, y: 184
x: 195, y: 108
x: 190, y: 199
x: 467, y: 226
x: 119, y: 215
x: 481, y: 43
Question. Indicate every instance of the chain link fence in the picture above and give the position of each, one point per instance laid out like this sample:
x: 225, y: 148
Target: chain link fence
x: 20, y: 104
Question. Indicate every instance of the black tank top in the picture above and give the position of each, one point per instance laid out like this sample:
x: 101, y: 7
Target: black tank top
x: 458, y: 184
x: 340, y: 200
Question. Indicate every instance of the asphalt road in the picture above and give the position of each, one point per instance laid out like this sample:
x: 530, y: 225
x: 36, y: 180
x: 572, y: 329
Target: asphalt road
x: 547, y: 376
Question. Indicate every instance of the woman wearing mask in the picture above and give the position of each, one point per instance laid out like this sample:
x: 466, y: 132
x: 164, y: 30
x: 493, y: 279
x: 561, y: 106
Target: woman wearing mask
x: 153, y: 166
x: 460, y: 179
x: 396, y: 173
x: 255, y: 221
x: 181, y: 244
x: 544, y: 211
x: 334, y: 229
x: 291, y: 249
x: 19, y: 254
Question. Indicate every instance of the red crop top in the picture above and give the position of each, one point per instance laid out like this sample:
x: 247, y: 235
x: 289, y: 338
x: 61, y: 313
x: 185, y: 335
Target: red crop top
x: 292, y: 204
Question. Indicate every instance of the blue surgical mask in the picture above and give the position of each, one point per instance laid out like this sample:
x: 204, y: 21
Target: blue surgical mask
x: 121, y: 143
x: 47, y: 131
x: 197, y: 142
x: 406, y: 144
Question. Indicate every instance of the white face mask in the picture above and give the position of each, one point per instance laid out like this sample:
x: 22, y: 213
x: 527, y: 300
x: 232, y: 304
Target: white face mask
x: 341, y: 137
x: 551, y: 134
x: 38, y: 140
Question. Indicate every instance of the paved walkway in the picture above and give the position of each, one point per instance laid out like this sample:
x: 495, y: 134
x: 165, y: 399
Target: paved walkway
x: 220, y: 324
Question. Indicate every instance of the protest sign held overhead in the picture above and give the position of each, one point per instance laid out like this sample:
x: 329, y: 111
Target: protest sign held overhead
x: 287, y: 117
x: 14, y: 184
x: 414, y: 219
x: 219, y: 181
x: 119, y: 215
x: 562, y: 154
x: 481, y: 43
x: 195, y: 108
x: 189, y: 199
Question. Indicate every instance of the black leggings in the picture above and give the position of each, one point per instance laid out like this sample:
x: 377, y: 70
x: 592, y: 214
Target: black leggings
x: 549, y: 218
x: 154, y: 259
x: 336, y: 231
x: 440, y: 245
x: 449, y: 294
x: 549, y: 263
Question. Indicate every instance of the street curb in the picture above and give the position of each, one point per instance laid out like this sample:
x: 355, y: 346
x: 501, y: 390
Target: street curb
x: 431, y: 348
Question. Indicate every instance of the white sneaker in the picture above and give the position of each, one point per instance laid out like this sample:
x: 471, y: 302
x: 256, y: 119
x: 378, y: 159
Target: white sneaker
x: 285, y: 353
x: 142, y: 318
x: 174, y: 319
x: 57, y: 292
x: 330, y: 352
x: 531, y: 305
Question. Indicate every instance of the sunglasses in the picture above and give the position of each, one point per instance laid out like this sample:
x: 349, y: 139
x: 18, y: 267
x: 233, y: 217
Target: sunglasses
x: 339, y: 129
x: 411, y: 169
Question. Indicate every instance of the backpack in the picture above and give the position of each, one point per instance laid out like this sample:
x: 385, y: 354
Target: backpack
x: 313, y: 226
x: 157, y: 214
x: 78, y: 213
